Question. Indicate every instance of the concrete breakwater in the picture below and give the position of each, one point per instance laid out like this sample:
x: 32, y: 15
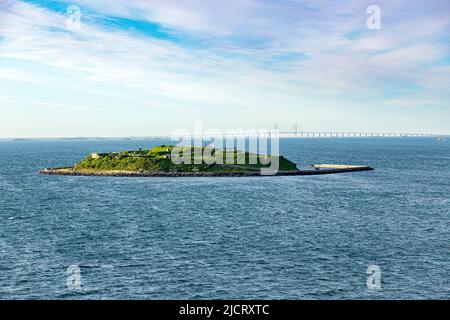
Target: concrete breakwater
x: 316, y: 171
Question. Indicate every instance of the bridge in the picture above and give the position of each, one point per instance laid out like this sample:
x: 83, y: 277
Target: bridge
x: 312, y: 134
x: 296, y: 132
x: 341, y: 134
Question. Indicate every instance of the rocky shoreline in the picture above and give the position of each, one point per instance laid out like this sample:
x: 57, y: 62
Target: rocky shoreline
x: 72, y: 172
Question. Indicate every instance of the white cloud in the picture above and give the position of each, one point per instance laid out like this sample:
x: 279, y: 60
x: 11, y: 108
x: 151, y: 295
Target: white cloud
x: 254, y: 55
x: 408, y: 56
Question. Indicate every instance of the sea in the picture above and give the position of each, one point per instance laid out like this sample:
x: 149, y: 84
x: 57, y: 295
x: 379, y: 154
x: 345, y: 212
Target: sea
x: 382, y: 234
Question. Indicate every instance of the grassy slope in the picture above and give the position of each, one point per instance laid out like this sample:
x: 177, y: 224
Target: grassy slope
x: 156, y: 160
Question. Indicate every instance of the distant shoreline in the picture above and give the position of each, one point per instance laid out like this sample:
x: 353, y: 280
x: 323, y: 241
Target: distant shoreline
x: 168, y: 137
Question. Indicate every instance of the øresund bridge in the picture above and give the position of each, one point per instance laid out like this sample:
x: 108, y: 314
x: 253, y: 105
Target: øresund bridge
x: 295, y: 132
x: 340, y: 134
x: 317, y: 134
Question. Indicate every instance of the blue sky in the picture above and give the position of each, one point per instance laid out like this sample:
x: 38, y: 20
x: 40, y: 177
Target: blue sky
x: 137, y: 68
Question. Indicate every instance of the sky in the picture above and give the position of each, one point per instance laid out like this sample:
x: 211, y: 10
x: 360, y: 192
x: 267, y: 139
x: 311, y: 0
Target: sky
x: 141, y: 68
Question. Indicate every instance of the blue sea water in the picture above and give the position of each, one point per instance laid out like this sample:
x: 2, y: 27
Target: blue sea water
x: 300, y: 237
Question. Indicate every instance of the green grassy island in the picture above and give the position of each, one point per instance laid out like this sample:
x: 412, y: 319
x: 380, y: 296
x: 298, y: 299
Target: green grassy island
x: 159, y: 159
x: 189, y: 161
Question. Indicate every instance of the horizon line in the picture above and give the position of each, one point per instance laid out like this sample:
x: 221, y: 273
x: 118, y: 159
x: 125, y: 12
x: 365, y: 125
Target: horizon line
x: 285, y: 135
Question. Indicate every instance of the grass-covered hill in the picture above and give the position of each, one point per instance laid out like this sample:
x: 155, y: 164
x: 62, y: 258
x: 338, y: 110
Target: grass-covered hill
x: 159, y: 159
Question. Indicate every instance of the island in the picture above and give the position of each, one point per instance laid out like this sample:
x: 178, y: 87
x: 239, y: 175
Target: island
x: 159, y: 162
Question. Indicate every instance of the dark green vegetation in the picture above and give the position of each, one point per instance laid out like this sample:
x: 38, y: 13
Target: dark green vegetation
x: 159, y: 159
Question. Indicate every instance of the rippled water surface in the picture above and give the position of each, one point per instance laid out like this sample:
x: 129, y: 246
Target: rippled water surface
x: 303, y: 237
